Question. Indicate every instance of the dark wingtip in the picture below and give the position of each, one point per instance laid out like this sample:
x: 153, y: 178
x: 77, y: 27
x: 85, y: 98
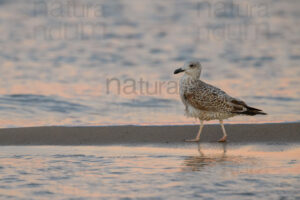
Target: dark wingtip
x: 262, y: 113
x: 251, y: 108
x: 251, y: 113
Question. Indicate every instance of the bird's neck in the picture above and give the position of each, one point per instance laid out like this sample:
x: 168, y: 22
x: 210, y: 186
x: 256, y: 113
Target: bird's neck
x: 191, y: 77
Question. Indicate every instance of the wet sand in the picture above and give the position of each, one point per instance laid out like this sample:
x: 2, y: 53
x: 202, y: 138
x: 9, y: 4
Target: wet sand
x: 243, y: 133
x: 167, y: 171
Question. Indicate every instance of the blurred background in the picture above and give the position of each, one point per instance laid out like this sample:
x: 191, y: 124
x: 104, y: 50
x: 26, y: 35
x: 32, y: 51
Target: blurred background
x: 76, y: 62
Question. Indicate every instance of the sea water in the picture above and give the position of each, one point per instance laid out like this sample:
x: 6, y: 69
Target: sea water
x: 208, y: 171
x: 112, y: 62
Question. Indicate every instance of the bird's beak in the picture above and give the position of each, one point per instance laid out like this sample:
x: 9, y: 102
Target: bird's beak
x: 178, y: 71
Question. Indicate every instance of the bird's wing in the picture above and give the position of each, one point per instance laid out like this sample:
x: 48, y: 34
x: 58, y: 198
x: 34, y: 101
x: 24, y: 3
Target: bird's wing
x: 209, y: 98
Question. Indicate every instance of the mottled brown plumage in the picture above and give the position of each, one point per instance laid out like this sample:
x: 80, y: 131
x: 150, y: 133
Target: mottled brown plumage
x: 207, y: 102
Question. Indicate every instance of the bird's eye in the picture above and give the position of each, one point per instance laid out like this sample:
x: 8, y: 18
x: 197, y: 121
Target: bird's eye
x: 192, y: 65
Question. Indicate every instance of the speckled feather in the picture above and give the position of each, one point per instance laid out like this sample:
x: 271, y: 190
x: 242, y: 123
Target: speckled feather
x: 207, y: 102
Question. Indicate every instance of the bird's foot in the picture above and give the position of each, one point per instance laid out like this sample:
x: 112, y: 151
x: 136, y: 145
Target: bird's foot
x: 223, y: 139
x: 193, y: 140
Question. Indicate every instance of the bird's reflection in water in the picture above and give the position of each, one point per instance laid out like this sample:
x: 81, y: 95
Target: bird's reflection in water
x: 198, y: 163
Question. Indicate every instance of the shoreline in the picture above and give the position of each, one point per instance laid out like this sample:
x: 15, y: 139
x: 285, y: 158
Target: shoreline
x: 131, y: 134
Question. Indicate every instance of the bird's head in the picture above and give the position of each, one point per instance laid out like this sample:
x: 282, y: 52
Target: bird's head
x: 192, y: 68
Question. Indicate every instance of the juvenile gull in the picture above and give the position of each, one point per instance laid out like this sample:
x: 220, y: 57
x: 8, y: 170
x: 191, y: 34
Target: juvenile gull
x: 206, y: 102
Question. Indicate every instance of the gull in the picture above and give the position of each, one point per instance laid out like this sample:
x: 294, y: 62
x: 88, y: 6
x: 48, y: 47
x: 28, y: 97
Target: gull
x: 206, y: 102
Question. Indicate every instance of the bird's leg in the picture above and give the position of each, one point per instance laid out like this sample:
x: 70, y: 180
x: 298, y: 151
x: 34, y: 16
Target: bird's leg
x: 223, y: 139
x: 197, y: 139
x: 199, y: 150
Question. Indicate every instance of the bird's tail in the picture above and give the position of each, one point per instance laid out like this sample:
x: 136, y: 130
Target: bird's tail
x: 252, y: 111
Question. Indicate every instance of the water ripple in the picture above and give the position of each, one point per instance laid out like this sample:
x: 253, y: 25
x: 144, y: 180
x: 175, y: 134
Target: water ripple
x: 46, y: 103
